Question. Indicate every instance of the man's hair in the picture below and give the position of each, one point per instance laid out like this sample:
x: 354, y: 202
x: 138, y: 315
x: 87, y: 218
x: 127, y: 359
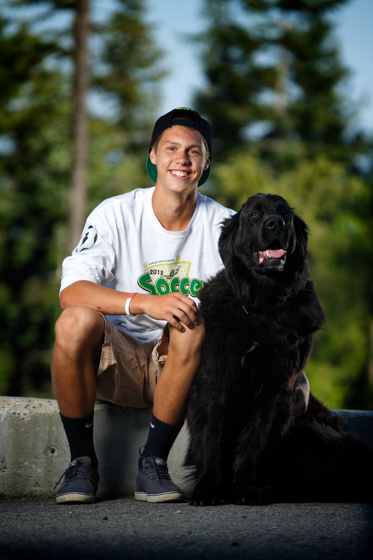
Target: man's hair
x: 155, y: 145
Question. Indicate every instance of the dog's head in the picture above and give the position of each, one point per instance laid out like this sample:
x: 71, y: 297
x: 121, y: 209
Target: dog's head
x: 265, y: 237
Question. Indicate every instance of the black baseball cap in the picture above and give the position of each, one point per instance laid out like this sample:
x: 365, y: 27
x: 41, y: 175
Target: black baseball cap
x: 182, y: 116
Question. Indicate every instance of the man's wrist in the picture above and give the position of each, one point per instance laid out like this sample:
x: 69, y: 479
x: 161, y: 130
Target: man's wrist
x: 128, y: 302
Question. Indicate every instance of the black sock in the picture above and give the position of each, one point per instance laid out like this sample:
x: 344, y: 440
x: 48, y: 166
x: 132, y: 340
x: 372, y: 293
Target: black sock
x: 161, y: 437
x: 79, y: 433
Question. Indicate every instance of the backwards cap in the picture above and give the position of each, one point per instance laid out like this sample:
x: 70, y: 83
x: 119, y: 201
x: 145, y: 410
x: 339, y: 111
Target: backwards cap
x: 182, y: 116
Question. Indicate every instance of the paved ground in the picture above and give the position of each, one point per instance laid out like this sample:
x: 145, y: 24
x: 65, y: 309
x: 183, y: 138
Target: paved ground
x: 125, y: 529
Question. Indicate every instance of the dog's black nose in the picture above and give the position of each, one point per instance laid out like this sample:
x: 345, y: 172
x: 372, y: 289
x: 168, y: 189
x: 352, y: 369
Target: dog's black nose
x: 274, y: 222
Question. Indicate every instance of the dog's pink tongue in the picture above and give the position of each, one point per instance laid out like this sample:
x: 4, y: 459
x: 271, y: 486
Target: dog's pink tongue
x: 271, y: 253
x: 277, y: 254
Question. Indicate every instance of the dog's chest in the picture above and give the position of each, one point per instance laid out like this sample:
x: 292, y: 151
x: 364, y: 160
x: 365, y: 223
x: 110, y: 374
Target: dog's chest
x: 248, y: 342
x: 268, y: 328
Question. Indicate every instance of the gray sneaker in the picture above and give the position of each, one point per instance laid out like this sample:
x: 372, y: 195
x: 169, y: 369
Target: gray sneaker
x: 154, y: 484
x: 80, y: 484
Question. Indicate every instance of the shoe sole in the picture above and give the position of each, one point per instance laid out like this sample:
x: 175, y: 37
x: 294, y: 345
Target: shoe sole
x: 158, y: 498
x: 79, y: 498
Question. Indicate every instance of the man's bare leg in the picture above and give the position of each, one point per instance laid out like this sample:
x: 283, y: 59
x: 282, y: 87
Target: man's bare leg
x: 183, y: 359
x: 153, y: 483
x: 79, y: 338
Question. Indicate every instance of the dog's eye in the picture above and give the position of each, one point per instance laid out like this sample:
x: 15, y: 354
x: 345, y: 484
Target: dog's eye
x: 254, y: 215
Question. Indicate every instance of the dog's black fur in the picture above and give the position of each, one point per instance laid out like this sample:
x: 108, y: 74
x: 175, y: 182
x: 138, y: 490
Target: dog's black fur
x: 261, y: 313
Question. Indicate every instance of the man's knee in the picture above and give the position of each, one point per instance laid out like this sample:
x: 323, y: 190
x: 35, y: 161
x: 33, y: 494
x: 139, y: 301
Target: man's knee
x: 188, y: 343
x: 78, y: 325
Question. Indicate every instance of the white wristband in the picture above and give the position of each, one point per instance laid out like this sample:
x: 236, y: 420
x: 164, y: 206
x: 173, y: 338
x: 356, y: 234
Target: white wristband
x: 127, y: 306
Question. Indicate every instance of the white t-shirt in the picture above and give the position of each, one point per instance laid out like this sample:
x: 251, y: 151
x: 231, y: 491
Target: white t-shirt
x: 124, y: 247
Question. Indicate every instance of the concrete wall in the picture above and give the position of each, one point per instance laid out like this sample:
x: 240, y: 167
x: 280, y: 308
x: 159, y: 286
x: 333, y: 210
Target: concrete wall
x: 34, y: 451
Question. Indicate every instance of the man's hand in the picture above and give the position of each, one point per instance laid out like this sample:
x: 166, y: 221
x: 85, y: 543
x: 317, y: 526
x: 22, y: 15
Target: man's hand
x: 177, y: 309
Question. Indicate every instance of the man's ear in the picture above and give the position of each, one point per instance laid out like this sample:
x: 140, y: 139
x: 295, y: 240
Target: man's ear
x: 207, y: 164
x: 152, y: 156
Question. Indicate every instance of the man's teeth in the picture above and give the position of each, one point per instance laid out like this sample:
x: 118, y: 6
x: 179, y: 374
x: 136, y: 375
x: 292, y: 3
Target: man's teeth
x: 180, y: 173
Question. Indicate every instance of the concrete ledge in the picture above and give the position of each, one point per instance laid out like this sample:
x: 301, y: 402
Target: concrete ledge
x: 34, y: 451
x: 359, y: 422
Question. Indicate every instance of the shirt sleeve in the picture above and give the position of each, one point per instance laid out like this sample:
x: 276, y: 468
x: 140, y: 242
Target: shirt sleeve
x: 94, y: 259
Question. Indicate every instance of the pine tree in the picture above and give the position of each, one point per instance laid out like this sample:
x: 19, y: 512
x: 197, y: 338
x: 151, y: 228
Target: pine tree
x: 275, y: 80
x: 33, y: 166
x: 127, y: 71
x: 36, y: 115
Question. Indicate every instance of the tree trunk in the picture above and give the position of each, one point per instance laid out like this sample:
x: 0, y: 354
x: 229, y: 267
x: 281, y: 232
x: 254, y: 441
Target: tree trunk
x: 282, y: 71
x: 77, y: 192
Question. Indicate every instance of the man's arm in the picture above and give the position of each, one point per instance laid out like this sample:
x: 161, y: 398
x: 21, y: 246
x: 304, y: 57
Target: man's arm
x: 177, y: 309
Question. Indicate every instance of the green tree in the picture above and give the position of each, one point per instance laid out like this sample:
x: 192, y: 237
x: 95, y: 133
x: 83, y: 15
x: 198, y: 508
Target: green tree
x: 275, y: 79
x: 35, y: 164
x: 337, y: 208
x: 281, y: 118
x: 128, y: 71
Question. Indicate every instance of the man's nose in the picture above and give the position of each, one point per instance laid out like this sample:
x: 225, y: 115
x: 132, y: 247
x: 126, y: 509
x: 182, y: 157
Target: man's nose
x: 183, y: 157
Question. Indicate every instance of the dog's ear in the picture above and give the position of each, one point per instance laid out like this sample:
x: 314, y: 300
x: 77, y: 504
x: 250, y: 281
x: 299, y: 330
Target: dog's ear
x: 301, y: 235
x: 227, y: 237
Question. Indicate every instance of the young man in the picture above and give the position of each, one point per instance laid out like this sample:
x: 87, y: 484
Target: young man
x: 130, y: 332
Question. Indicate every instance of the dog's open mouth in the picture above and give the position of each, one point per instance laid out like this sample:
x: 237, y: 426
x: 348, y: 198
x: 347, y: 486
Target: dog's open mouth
x: 273, y: 254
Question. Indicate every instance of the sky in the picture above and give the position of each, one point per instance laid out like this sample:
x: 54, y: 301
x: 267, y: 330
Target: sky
x: 174, y: 20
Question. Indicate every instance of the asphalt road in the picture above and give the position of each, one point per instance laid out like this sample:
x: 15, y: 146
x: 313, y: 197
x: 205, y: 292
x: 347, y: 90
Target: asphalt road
x: 123, y: 528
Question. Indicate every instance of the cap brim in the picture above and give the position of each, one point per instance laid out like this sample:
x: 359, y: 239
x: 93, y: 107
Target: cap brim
x: 152, y: 172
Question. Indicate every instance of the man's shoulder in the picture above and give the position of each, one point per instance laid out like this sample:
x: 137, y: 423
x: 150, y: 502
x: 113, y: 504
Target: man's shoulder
x: 131, y: 198
x: 214, y: 208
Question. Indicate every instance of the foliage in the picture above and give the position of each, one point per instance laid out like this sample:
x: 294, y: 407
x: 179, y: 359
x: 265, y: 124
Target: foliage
x: 275, y: 79
x: 297, y: 155
x: 32, y: 204
x: 336, y: 207
x: 128, y: 68
x: 35, y: 159
x: 277, y: 100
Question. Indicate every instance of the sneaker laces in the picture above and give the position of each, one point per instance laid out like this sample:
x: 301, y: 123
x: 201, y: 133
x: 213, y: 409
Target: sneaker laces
x: 76, y: 470
x: 154, y: 468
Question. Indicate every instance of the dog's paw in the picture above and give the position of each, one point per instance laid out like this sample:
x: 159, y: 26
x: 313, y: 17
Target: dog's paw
x: 204, y: 495
x: 251, y: 496
x: 204, y: 500
x: 248, y: 496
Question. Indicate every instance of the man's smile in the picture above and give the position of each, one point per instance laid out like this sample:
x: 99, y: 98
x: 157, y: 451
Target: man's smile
x: 179, y: 173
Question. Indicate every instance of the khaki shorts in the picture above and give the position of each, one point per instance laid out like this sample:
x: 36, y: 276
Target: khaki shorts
x: 129, y: 369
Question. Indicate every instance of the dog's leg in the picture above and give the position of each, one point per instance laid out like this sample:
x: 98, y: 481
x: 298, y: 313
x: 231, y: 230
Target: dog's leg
x: 212, y: 434
x: 271, y: 418
x: 213, y: 469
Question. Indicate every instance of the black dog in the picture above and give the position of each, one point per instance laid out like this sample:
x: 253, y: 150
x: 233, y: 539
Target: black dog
x: 261, y: 312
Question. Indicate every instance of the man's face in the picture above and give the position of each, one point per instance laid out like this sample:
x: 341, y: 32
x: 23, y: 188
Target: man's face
x: 181, y: 158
